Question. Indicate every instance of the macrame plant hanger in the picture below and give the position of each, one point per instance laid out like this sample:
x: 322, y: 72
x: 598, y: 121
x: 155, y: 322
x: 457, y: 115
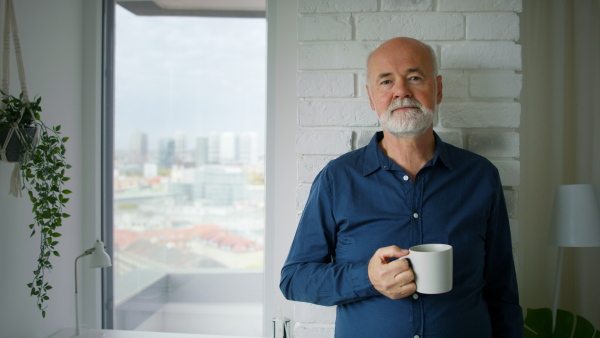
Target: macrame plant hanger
x: 10, y: 24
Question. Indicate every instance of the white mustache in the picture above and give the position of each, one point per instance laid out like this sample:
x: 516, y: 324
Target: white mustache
x: 402, y: 103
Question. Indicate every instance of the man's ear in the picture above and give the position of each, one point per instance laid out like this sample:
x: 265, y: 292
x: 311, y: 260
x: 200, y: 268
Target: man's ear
x: 370, y: 98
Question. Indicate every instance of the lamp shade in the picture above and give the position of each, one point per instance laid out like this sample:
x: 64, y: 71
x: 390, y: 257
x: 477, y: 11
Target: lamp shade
x: 99, y: 258
x: 575, y: 217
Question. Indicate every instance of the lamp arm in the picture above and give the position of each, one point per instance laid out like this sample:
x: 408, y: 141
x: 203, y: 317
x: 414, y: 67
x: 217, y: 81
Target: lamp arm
x: 86, y: 253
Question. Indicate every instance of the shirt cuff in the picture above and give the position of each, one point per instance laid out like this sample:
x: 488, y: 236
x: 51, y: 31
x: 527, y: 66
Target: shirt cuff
x: 361, y: 282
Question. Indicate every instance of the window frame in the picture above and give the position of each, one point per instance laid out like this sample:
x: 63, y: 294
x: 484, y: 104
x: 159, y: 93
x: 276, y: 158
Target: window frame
x: 107, y: 154
x: 107, y: 140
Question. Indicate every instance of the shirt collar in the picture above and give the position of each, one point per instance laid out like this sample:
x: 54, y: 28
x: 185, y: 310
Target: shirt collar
x: 441, y: 152
x: 375, y: 159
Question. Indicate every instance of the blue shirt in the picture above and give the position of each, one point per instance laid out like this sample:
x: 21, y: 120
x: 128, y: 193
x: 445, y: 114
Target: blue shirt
x: 363, y: 201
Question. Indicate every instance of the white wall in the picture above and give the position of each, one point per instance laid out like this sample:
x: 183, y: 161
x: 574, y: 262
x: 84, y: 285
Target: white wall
x: 51, y: 39
x: 480, y: 61
x: 281, y: 159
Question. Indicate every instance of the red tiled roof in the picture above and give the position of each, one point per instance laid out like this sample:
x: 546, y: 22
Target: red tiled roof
x: 207, y: 232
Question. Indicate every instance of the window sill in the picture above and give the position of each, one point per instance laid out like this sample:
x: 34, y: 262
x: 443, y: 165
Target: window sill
x: 70, y: 332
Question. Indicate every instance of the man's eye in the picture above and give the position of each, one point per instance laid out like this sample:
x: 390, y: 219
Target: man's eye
x: 414, y: 78
x: 385, y: 82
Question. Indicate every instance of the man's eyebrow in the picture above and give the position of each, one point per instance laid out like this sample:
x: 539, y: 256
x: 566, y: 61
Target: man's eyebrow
x: 415, y: 70
x: 408, y: 71
x: 382, y: 75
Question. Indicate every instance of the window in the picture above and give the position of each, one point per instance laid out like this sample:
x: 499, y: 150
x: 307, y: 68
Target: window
x: 188, y: 173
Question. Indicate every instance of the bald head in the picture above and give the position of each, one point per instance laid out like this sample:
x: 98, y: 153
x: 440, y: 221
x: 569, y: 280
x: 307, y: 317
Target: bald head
x: 392, y: 46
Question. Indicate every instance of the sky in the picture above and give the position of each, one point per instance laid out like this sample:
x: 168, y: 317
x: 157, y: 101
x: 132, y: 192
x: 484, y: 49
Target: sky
x: 190, y: 74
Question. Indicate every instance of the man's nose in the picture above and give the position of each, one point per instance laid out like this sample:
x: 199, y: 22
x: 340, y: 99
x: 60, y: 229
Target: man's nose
x: 402, y: 90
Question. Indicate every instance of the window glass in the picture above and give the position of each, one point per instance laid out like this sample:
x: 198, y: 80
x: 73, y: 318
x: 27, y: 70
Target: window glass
x: 189, y: 173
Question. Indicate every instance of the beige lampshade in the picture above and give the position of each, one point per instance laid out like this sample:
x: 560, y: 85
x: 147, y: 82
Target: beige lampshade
x: 575, y: 217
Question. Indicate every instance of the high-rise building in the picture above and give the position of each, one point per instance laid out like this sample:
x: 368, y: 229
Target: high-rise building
x: 201, y: 154
x: 138, y: 148
x: 213, y: 148
x: 228, y: 148
x: 166, y: 153
x: 248, y: 149
x: 180, y: 147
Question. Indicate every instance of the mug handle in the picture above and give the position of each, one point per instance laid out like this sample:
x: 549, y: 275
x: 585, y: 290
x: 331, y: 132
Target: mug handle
x: 404, y: 257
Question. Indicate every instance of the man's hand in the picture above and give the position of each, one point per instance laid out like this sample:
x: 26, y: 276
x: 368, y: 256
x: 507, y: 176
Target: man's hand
x: 394, y: 279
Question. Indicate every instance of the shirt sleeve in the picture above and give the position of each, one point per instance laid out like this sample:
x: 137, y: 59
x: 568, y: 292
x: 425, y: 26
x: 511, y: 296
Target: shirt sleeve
x: 310, y: 273
x: 500, y: 290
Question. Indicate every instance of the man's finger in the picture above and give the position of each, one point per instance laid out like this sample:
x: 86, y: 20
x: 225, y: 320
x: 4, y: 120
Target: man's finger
x: 392, y: 251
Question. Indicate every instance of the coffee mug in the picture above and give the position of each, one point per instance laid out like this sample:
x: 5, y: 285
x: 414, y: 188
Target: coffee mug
x: 432, y: 265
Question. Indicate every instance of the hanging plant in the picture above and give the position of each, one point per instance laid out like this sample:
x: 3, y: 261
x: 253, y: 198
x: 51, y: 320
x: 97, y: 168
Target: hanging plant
x: 42, y: 166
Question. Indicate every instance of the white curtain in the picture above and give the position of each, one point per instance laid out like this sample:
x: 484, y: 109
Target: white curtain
x: 560, y: 144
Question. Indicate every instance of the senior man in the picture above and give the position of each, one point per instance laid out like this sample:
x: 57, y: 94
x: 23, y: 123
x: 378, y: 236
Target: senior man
x: 406, y: 187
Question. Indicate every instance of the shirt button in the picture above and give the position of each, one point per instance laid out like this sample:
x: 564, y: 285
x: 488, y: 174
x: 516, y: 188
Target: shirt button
x: 416, y: 336
x: 405, y: 177
x: 415, y: 296
x: 415, y: 215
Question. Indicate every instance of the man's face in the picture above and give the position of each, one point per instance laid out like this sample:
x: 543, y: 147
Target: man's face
x: 403, y: 88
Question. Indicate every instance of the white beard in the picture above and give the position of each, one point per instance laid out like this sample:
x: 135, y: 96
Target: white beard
x: 410, y: 123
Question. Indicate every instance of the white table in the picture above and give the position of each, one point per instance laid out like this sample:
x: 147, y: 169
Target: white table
x: 70, y: 333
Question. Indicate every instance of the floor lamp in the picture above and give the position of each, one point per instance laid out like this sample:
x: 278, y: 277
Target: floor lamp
x: 99, y: 259
x: 575, y: 223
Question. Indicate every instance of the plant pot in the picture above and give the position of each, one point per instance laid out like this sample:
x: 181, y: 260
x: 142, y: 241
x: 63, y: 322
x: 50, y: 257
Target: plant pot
x: 13, y: 149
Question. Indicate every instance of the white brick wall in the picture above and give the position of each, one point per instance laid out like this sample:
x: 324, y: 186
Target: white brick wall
x: 480, y: 62
x: 430, y: 26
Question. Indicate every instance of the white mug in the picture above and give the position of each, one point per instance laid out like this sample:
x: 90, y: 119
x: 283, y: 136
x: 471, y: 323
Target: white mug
x: 432, y: 265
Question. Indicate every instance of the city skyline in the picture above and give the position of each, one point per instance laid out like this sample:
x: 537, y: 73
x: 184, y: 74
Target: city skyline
x: 213, y: 148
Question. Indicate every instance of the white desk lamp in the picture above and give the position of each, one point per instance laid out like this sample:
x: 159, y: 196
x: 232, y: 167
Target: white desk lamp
x: 99, y: 259
x: 575, y: 223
